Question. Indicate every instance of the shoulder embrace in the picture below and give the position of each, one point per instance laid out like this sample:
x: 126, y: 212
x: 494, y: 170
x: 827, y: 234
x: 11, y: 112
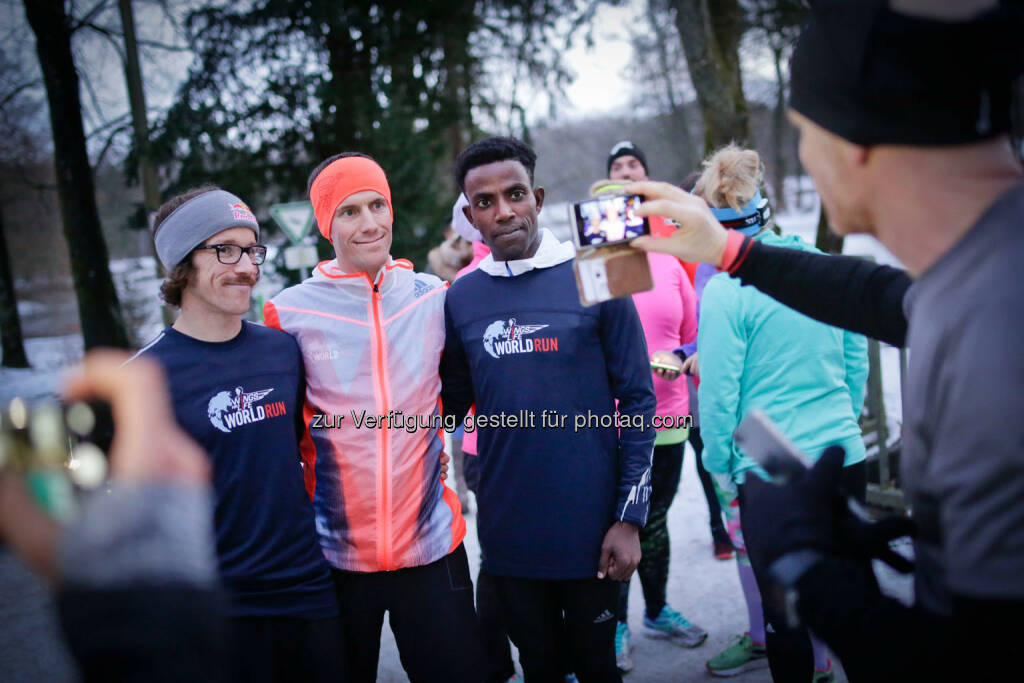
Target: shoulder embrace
x: 271, y: 335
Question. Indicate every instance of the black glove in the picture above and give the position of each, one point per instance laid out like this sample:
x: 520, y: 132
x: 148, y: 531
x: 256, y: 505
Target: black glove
x: 867, y: 540
x: 813, y: 512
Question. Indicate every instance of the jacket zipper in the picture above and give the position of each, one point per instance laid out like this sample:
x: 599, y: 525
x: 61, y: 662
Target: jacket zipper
x: 384, y: 537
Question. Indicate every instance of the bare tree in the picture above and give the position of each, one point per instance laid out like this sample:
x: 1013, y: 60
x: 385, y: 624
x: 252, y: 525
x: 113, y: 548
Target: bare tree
x: 98, y: 306
x: 779, y: 22
x: 710, y: 31
x: 661, y: 68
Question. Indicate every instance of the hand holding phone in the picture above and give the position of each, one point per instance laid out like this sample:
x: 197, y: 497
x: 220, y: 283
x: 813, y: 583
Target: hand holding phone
x: 666, y: 365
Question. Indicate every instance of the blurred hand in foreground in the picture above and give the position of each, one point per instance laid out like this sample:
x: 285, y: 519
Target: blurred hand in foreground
x: 148, y: 446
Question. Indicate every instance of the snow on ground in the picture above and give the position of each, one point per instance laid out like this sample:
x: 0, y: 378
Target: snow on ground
x: 50, y: 357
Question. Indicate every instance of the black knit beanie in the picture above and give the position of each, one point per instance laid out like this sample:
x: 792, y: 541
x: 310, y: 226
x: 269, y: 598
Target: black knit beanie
x: 874, y: 76
x: 625, y: 148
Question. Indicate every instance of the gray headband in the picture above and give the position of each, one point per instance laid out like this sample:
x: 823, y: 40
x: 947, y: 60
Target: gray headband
x: 199, y: 219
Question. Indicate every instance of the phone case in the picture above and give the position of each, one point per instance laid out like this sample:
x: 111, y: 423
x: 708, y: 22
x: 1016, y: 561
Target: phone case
x: 604, y: 273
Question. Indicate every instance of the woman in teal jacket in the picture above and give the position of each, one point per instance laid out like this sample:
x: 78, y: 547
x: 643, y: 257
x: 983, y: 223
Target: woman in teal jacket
x: 808, y: 377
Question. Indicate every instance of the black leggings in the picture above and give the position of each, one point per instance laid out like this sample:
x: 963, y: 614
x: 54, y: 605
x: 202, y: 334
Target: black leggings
x: 789, y: 649
x: 666, y: 469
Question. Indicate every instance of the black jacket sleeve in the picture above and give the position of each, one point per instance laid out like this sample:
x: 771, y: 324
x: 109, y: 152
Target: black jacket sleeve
x: 845, y: 291
x: 456, y: 379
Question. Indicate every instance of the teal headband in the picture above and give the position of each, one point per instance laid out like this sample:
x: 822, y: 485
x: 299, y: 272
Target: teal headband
x: 751, y: 217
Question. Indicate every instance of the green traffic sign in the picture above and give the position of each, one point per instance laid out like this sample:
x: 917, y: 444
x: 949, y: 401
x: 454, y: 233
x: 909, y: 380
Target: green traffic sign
x: 295, y: 218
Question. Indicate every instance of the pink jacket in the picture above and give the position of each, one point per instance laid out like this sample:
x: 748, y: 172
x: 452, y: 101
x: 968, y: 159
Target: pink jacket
x: 668, y: 314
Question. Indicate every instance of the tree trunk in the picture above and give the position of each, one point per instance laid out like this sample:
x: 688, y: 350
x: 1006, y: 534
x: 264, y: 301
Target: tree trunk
x: 458, y: 86
x: 779, y: 133
x: 711, y: 43
x: 137, y: 100
x: 140, y: 128
x: 827, y: 240
x: 98, y: 307
x: 682, y: 139
x: 10, y: 321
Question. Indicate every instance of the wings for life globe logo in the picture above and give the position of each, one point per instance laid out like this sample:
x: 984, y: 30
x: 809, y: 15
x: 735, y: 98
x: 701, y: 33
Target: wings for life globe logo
x: 230, y: 409
x: 504, y: 337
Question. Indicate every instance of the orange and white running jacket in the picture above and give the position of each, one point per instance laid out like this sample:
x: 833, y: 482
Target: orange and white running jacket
x: 371, y: 353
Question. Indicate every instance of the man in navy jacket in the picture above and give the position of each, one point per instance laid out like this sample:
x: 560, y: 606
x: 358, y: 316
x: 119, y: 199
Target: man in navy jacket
x: 565, y: 476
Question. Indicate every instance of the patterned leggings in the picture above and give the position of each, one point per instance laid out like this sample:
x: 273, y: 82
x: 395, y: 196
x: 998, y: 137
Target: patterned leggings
x: 666, y: 469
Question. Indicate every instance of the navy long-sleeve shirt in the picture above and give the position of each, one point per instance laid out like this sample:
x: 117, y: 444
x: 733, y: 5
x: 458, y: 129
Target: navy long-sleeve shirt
x: 525, y: 346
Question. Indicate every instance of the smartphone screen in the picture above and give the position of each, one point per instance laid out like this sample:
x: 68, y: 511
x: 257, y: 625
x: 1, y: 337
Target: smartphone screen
x: 608, y: 220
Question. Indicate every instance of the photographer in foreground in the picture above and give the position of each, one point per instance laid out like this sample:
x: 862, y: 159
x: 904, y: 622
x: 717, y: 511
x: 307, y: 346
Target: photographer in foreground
x: 135, y: 570
x: 903, y: 122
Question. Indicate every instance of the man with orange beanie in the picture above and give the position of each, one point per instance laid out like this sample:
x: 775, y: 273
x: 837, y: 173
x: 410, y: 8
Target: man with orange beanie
x: 371, y: 332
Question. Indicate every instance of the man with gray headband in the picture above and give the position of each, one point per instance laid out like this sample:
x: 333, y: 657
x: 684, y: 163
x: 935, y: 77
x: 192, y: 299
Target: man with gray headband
x: 237, y: 389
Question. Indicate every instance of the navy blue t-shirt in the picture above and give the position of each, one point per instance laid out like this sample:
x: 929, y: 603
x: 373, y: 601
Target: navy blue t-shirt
x: 557, y: 470
x: 241, y: 401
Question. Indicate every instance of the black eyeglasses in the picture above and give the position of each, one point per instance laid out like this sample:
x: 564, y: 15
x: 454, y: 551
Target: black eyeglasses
x: 230, y: 254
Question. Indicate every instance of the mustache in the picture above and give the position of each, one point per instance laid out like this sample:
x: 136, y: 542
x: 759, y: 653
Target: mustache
x: 245, y: 279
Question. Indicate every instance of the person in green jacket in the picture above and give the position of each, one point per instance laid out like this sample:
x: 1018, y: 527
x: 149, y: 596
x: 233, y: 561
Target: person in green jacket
x: 809, y: 378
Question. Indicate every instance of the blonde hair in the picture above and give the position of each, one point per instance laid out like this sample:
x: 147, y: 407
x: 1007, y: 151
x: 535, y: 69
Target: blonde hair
x: 731, y: 177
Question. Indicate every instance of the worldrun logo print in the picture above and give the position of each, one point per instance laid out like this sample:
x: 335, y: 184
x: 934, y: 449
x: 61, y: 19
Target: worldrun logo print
x: 230, y: 409
x: 504, y: 337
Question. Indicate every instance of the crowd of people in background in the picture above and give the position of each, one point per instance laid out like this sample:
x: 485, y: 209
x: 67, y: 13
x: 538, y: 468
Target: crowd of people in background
x: 267, y: 509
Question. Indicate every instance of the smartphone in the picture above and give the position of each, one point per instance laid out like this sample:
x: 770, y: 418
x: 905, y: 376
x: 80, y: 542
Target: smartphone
x: 607, y: 220
x: 664, y: 366
x: 759, y: 437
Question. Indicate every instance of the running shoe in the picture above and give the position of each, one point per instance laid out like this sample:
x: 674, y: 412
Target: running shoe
x: 742, y: 654
x: 623, y: 648
x: 826, y: 676
x: 723, y: 550
x: 674, y: 626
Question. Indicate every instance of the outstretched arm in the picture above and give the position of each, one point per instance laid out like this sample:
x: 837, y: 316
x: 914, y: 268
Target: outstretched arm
x: 844, y: 291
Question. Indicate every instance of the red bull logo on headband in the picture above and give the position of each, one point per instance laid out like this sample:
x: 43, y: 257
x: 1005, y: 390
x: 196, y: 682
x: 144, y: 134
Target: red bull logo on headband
x: 241, y: 212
